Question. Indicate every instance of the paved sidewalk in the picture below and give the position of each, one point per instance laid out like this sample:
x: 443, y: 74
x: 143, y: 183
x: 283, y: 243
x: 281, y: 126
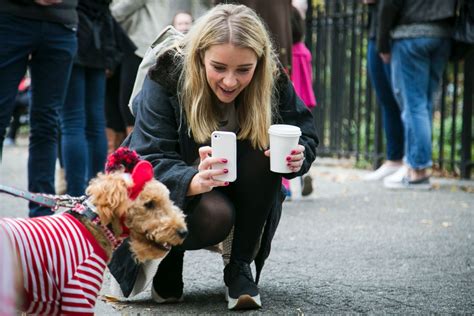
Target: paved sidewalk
x: 352, y: 247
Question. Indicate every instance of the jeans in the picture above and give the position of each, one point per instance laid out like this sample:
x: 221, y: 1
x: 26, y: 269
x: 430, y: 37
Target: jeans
x: 417, y: 69
x: 83, y: 140
x: 52, y: 47
x: 379, y: 74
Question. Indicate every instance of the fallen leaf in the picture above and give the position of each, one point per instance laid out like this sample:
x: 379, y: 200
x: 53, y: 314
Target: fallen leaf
x: 468, y: 189
x: 109, y: 298
x: 427, y: 221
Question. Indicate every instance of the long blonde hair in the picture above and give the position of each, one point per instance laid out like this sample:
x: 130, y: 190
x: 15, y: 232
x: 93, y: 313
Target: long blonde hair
x: 241, y: 27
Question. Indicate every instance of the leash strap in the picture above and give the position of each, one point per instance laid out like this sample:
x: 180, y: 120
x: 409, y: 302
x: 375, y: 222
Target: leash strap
x: 33, y: 197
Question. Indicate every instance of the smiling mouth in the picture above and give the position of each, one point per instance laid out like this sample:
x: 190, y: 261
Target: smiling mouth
x: 226, y: 91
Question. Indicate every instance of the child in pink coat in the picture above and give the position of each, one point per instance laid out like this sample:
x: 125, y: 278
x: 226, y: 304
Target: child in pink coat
x: 302, y: 78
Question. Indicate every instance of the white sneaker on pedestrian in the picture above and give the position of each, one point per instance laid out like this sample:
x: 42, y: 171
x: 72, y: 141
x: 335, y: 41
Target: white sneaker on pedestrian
x: 382, y: 172
x: 395, y: 178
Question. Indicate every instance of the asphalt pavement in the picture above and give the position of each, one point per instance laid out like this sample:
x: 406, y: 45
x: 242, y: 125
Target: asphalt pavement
x: 351, y: 247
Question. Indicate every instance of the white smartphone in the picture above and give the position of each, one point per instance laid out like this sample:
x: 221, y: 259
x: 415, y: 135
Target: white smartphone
x: 224, y: 145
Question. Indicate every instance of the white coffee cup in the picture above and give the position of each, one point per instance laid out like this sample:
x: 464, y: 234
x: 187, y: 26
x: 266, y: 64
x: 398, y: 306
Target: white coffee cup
x: 283, y: 139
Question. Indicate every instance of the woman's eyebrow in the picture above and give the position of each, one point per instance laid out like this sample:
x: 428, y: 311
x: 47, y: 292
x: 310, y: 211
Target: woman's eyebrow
x: 222, y: 64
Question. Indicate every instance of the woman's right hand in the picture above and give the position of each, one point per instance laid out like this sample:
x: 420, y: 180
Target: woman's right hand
x: 203, y: 181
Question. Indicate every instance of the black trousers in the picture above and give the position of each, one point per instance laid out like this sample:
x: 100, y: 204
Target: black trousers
x: 244, y: 204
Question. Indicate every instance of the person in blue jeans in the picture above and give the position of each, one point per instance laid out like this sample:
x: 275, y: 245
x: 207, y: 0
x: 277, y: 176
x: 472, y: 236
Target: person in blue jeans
x: 379, y: 74
x: 83, y: 138
x: 41, y: 35
x: 420, y: 32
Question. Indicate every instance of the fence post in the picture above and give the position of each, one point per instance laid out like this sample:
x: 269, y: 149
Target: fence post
x: 309, y: 25
x: 468, y: 102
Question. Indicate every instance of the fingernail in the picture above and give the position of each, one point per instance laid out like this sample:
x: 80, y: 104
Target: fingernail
x: 225, y: 170
x: 288, y: 158
x: 224, y: 160
x: 293, y: 152
x: 226, y: 183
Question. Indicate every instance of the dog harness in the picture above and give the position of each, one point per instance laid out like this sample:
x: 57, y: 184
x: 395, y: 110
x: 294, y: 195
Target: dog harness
x: 65, y: 264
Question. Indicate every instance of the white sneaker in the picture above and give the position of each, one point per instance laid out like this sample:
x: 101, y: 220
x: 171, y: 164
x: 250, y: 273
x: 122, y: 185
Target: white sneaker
x: 382, y: 172
x: 395, y: 178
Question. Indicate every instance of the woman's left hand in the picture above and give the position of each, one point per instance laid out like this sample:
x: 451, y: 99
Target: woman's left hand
x: 295, y: 159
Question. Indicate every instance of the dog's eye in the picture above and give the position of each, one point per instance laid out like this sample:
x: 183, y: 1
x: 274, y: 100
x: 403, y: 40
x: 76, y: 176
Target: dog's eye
x: 150, y: 204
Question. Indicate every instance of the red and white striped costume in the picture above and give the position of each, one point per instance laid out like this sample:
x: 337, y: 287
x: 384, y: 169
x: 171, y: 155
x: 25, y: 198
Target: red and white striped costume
x: 7, y: 278
x: 63, y: 264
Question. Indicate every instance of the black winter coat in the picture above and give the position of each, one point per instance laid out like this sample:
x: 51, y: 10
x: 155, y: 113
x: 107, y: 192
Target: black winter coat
x: 63, y: 12
x: 101, y: 40
x: 160, y: 136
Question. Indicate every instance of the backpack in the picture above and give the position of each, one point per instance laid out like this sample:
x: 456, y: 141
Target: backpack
x: 463, y: 33
x: 169, y: 38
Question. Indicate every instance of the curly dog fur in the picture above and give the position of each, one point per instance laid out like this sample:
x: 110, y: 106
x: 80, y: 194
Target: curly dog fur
x: 155, y: 223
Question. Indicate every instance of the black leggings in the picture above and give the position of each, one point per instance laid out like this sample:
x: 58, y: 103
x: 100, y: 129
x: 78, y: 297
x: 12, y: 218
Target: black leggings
x: 245, y: 204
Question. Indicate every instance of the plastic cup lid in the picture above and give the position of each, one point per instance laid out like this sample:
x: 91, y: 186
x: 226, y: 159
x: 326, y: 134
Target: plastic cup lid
x: 284, y: 130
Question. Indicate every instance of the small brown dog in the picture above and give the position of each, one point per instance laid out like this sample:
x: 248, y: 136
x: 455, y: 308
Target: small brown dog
x: 63, y: 257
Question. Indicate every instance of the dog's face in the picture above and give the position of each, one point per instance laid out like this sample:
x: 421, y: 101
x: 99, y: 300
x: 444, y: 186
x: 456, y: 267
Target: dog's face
x: 155, y: 223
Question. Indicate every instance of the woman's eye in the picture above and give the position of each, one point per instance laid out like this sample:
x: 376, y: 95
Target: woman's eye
x: 219, y: 69
x: 243, y: 71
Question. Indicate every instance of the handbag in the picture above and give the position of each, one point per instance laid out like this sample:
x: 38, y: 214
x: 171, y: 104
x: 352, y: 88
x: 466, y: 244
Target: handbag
x: 463, y: 33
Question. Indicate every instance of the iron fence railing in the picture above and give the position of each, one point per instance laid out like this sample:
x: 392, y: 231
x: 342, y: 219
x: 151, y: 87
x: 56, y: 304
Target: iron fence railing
x: 348, y: 119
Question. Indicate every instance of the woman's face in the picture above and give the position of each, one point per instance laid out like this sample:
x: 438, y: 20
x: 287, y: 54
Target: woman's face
x: 229, y: 69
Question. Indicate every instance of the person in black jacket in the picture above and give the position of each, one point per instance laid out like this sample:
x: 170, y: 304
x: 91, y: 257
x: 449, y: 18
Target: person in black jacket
x: 83, y: 140
x: 224, y: 75
x: 40, y: 34
x: 414, y: 36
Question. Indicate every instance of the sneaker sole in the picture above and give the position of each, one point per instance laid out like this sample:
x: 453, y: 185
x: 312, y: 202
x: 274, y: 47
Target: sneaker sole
x: 160, y: 300
x: 243, y: 302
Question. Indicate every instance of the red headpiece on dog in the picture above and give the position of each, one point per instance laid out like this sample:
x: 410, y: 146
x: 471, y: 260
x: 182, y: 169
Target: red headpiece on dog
x: 128, y: 160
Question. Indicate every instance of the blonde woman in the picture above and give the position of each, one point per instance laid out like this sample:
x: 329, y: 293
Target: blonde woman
x: 223, y: 76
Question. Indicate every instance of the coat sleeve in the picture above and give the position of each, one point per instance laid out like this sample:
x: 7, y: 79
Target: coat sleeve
x: 292, y: 111
x: 121, y: 10
x: 387, y: 16
x: 155, y: 138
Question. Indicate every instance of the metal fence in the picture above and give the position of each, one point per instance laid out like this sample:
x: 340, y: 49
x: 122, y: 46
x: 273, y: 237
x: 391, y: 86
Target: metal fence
x: 348, y: 118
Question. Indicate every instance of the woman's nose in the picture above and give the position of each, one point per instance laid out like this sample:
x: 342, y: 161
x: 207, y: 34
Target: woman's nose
x: 229, y: 81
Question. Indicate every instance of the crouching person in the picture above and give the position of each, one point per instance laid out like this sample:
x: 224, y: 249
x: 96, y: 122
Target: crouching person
x: 222, y: 75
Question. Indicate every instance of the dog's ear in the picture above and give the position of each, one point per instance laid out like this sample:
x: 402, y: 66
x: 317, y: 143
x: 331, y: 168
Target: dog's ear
x: 109, y: 194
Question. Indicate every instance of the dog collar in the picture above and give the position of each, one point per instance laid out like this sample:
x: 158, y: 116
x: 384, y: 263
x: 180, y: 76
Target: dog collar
x: 89, y: 211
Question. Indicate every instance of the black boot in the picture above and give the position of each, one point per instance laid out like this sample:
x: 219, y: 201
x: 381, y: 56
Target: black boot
x: 168, y: 281
x: 242, y: 292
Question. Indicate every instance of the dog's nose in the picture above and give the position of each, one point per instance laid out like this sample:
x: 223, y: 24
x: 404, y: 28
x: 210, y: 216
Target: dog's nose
x: 182, y: 233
